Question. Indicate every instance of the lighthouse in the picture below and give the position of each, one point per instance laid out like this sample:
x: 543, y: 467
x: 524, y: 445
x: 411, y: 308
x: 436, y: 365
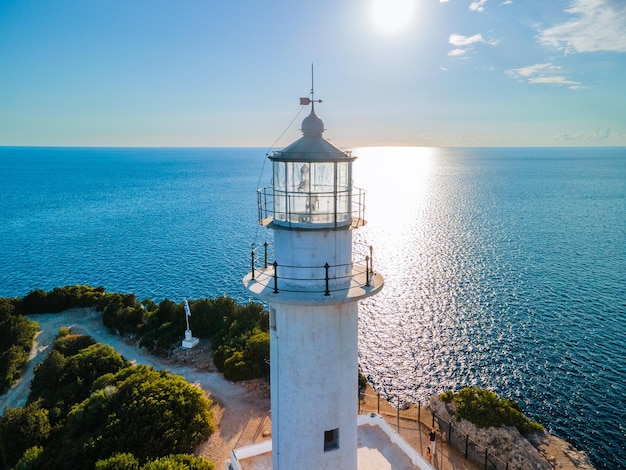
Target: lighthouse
x: 313, y: 287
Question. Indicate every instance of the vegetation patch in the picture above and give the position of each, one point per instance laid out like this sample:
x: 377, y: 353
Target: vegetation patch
x: 485, y: 409
x: 90, y: 408
x: 16, y: 339
x: 239, y: 334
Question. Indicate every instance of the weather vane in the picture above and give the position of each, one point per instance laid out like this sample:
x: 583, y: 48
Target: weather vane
x: 306, y: 101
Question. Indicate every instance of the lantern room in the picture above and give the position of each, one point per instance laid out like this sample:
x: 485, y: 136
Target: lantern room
x: 311, y: 184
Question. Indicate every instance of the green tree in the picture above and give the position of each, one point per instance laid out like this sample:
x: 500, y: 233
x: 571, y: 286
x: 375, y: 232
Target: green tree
x: 60, y: 381
x: 122, y: 313
x: 31, y: 460
x: 59, y: 299
x: 22, y: 428
x: 70, y: 344
x: 173, y: 416
x: 179, y: 462
x: 257, y: 352
x: 167, y: 311
x: 16, y: 340
x: 34, y: 302
x: 118, y: 461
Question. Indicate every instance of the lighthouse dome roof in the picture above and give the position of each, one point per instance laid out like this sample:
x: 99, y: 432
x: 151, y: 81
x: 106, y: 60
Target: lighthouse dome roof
x: 312, y: 146
x: 312, y: 125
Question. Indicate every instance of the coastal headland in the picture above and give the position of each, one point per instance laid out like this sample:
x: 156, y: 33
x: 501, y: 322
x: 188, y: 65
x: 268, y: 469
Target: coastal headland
x: 241, y: 410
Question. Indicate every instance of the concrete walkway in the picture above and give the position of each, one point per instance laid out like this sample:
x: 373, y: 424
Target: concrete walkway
x: 414, y: 426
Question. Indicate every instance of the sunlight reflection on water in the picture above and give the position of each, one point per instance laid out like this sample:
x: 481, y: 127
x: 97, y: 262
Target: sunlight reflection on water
x: 471, y: 296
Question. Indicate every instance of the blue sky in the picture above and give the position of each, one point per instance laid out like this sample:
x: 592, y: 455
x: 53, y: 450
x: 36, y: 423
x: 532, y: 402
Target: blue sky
x: 229, y: 73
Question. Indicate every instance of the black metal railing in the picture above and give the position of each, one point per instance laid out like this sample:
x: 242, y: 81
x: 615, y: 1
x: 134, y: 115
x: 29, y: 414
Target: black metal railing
x: 331, y: 278
x: 414, y: 421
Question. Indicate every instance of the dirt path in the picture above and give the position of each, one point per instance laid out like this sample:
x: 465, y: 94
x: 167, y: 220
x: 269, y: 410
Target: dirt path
x: 241, y: 411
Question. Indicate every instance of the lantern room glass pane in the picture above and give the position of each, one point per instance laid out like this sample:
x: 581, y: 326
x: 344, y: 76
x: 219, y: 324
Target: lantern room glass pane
x: 312, y: 192
x: 323, y: 177
x: 280, y: 182
x: 343, y: 176
x: 344, y: 196
x: 297, y: 176
x: 279, y: 175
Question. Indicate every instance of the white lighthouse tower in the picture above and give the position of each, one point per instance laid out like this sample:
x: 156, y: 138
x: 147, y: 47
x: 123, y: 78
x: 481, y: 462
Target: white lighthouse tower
x: 313, y: 288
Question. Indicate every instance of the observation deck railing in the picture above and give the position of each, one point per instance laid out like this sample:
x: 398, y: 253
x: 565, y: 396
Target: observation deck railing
x: 413, y: 421
x: 314, y: 278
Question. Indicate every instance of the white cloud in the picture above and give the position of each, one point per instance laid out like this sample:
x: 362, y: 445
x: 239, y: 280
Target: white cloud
x: 478, y: 6
x: 552, y: 80
x: 465, y: 44
x: 457, y: 52
x: 460, y: 40
x: 599, y: 26
x: 507, y: 2
x: 530, y: 70
x: 543, y: 74
x: 598, y: 135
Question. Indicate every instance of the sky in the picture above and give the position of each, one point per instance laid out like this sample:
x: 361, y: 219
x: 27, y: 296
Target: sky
x: 216, y: 73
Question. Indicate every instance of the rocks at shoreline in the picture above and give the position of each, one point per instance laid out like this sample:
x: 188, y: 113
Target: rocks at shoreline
x: 540, y: 450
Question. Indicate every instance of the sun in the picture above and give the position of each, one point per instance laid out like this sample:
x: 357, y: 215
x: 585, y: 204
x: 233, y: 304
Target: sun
x: 392, y: 16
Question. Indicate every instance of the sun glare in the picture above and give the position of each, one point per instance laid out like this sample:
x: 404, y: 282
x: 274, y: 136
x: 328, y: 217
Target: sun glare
x: 397, y: 179
x: 392, y: 16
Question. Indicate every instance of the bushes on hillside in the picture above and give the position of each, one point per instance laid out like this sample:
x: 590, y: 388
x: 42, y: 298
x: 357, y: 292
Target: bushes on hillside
x: 69, y: 371
x: 121, y: 313
x: 128, y: 461
x: 173, y: 416
x: 23, y: 428
x: 59, y: 299
x: 238, y: 333
x: 485, y: 409
x: 16, y: 341
x: 88, y: 404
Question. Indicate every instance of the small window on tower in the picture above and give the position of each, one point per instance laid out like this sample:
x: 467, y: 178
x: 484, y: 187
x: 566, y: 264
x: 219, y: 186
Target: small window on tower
x: 273, y: 318
x: 331, y: 440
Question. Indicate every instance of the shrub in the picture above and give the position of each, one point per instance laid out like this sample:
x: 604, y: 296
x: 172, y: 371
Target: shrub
x: 447, y: 396
x: 23, y: 428
x: 362, y: 382
x: 119, y: 461
x: 121, y: 313
x: 70, y: 344
x: 16, y: 340
x: 62, y: 381
x: 173, y: 417
x: 179, y: 462
x: 235, y: 368
x: 485, y: 409
x: 240, y: 340
x: 127, y: 461
x: 59, y: 299
x: 257, y: 352
x: 31, y: 460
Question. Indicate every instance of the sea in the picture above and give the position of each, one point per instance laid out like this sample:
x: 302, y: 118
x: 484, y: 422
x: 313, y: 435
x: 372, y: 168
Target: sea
x: 504, y: 268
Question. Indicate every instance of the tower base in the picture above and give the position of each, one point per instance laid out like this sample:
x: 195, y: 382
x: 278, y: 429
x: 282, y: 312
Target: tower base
x: 379, y: 446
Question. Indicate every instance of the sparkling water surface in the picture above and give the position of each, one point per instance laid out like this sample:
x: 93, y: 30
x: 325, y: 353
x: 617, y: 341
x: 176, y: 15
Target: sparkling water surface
x: 504, y: 268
